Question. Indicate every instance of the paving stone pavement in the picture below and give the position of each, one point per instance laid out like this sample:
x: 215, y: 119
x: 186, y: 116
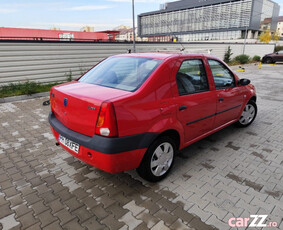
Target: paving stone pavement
x: 233, y: 173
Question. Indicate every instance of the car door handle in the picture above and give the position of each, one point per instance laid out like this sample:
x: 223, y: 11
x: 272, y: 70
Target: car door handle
x: 182, y: 107
x: 221, y: 99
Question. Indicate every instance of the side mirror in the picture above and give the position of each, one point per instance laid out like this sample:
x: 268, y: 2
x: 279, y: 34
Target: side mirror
x: 277, y: 53
x: 244, y: 82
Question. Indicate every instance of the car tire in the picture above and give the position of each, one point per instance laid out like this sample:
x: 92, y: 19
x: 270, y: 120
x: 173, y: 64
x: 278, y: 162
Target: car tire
x: 248, y: 115
x: 269, y: 60
x: 158, y: 159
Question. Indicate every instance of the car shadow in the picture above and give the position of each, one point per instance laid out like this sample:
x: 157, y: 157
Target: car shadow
x: 211, y: 143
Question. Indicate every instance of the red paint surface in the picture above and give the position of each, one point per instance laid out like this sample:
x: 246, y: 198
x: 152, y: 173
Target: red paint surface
x: 112, y: 163
x: 154, y: 107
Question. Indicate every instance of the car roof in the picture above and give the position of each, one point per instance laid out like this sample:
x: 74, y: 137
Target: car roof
x: 164, y: 55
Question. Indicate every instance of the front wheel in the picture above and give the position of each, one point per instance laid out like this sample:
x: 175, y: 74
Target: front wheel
x: 248, y: 115
x: 158, y: 160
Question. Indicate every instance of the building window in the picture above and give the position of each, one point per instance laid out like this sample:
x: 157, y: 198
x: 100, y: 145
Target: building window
x: 221, y: 16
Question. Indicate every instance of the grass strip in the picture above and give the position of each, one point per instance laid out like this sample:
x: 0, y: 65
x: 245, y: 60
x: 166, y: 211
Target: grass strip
x: 25, y: 88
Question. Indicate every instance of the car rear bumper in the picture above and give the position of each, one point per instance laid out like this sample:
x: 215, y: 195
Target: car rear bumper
x: 109, y: 154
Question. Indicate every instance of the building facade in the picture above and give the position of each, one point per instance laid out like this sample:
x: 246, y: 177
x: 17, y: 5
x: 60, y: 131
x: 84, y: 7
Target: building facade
x: 194, y: 20
x: 126, y: 34
x: 280, y: 26
x: 55, y: 35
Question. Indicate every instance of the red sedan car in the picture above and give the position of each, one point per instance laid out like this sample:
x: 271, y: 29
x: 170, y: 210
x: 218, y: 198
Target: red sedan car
x: 135, y: 111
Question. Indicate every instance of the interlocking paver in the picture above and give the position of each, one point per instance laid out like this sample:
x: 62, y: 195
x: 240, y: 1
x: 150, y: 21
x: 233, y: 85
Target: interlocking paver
x: 73, y: 225
x: 99, y: 211
x: 5, y: 210
x: 9, y: 222
x: 130, y: 220
x: 3, y: 201
x: 112, y: 223
x: 46, y: 218
x: 21, y: 210
x: 202, y: 214
x: 117, y: 210
x: 133, y: 208
x: 82, y: 213
x: 56, y: 206
x: 32, y: 198
x: 38, y: 207
x: 64, y: 216
x: 178, y: 224
x: 53, y: 226
x: 93, y: 224
x: 147, y: 218
x: 150, y: 205
x: 233, y: 173
x: 27, y: 220
x: 160, y: 225
x: 105, y: 200
x: 167, y: 217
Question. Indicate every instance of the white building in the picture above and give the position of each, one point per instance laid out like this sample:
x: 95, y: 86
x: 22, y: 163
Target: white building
x: 126, y: 34
x: 280, y: 26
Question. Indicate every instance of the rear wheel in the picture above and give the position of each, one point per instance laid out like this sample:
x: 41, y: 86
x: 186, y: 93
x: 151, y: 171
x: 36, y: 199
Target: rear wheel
x: 248, y: 115
x: 158, y: 160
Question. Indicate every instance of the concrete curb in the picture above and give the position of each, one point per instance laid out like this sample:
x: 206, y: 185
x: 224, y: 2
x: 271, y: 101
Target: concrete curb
x: 23, y: 97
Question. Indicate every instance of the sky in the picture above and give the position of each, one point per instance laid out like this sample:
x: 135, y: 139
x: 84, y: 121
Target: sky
x: 74, y: 14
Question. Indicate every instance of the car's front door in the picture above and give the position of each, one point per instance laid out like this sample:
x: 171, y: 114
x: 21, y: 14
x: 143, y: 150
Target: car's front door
x: 196, y: 102
x: 229, y: 97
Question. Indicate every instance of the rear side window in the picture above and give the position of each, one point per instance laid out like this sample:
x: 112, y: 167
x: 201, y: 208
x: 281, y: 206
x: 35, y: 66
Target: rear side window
x: 191, y: 77
x: 125, y: 73
x: 222, y: 76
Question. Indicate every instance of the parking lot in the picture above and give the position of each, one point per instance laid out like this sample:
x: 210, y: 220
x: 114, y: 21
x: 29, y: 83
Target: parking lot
x: 233, y: 173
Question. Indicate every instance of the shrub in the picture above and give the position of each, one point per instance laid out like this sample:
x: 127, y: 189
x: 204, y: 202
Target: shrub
x: 277, y: 48
x: 227, y: 55
x: 243, y: 58
x: 256, y: 58
x: 69, y: 76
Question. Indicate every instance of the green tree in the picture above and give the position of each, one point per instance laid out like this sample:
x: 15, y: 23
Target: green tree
x: 228, y: 54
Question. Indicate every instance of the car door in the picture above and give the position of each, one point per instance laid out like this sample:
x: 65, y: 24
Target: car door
x: 229, y: 97
x: 196, y: 103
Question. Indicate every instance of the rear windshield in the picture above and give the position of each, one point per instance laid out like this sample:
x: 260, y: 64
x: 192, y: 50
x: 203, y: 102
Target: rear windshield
x: 125, y: 73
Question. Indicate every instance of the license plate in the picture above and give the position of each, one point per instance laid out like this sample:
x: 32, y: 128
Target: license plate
x: 70, y: 144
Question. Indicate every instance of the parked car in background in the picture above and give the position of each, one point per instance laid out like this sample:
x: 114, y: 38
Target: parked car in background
x: 135, y: 111
x: 273, y: 57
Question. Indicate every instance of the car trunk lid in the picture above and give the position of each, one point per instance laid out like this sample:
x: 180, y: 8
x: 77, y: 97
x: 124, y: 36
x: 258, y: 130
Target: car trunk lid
x: 76, y: 105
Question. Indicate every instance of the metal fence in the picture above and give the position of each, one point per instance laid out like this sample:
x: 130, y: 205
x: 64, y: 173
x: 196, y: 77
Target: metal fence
x: 55, y: 61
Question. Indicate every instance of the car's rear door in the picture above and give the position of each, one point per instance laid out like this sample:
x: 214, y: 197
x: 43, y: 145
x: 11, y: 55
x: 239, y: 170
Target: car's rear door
x: 196, y: 103
x: 229, y: 97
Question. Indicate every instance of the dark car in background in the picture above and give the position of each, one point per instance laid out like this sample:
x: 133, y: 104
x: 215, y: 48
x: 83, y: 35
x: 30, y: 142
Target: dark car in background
x: 273, y: 57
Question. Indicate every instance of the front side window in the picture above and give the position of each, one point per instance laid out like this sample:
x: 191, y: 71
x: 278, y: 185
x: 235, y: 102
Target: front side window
x: 223, y: 78
x: 191, y: 77
x: 125, y: 73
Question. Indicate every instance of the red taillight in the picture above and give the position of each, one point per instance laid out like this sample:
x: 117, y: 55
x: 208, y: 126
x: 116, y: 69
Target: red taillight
x: 106, y: 124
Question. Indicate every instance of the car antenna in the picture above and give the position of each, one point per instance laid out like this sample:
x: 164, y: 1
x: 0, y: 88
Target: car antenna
x: 183, y: 48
